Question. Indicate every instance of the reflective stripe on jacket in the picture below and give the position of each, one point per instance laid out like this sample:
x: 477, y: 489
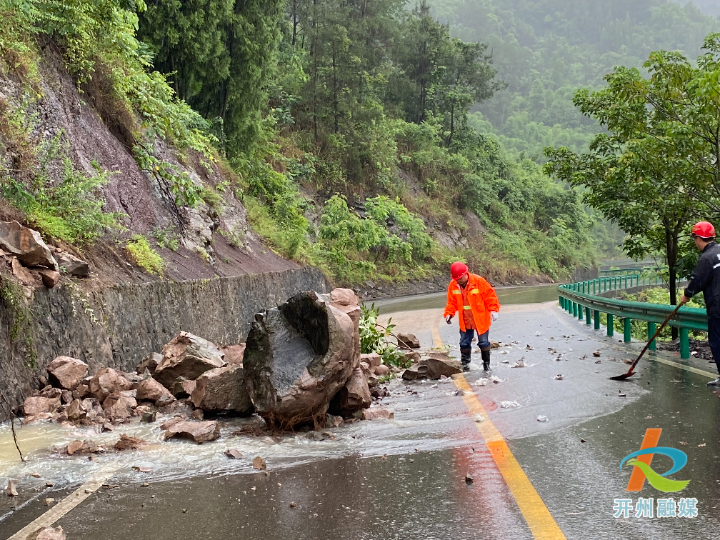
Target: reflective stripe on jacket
x: 483, y: 300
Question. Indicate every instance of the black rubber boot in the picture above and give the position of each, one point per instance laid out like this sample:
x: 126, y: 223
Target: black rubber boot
x: 465, y: 356
x: 486, y: 360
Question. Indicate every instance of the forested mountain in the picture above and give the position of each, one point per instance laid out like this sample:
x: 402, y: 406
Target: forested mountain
x: 547, y: 49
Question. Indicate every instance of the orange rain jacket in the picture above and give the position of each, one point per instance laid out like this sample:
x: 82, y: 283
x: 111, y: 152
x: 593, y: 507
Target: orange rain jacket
x: 482, y: 298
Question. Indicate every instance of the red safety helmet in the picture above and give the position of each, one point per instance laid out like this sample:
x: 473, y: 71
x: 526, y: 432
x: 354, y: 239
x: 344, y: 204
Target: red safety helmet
x: 703, y: 230
x: 458, y: 270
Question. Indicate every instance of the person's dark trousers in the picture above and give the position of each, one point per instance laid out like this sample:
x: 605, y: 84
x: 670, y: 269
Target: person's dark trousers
x: 466, y: 345
x: 714, y: 340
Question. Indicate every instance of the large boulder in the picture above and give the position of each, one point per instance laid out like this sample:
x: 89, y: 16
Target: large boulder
x: 187, y: 357
x: 119, y: 406
x: 233, y: 353
x: 199, y: 432
x: 34, y: 406
x: 108, y: 381
x: 151, y: 390
x: 222, y: 389
x: 298, y: 356
x: 26, y: 244
x: 347, y: 301
x: 352, y: 397
x: 67, y: 372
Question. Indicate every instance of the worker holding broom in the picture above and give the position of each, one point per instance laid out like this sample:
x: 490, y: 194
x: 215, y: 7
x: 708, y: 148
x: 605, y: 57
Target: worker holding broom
x: 706, y: 278
x: 478, y: 305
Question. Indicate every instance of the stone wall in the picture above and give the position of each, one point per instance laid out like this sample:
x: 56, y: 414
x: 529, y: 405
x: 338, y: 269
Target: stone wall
x: 118, y: 326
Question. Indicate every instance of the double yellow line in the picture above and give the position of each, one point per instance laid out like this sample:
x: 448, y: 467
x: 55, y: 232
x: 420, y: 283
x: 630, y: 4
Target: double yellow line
x: 536, y: 514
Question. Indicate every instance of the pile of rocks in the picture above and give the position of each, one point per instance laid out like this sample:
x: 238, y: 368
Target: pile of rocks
x: 302, y: 361
x: 32, y: 261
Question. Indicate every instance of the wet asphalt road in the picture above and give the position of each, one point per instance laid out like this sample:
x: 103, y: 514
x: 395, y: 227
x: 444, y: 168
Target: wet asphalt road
x: 405, y: 478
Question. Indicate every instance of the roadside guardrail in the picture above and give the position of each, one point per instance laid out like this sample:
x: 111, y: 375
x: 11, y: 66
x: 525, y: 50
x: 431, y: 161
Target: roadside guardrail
x: 582, y: 300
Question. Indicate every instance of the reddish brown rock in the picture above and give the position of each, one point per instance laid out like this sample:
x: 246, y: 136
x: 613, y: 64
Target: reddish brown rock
x: 129, y: 443
x: 151, y: 390
x: 408, y: 341
x: 76, y: 411
x: 25, y: 276
x: 199, y: 432
x: 81, y: 391
x: 233, y: 454
x: 50, y: 278
x: 48, y: 533
x: 67, y: 372
x: 354, y: 396
x: 174, y: 420
x: 187, y: 357
x: 222, y: 389
x: 377, y: 413
x: 118, y: 406
x: 233, y: 354
x: 183, y: 388
x: 381, y: 371
x: 73, y: 447
x: 26, y: 244
x: 371, y: 359
x: 150, y: 363
x: 108, y: 381
x: 35, y: 406
x: 434, y: 367
x: 70, y: 264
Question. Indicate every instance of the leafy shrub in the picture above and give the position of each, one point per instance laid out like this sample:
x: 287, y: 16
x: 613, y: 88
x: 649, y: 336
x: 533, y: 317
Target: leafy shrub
x: 144, y: 256
x: 374, y: 338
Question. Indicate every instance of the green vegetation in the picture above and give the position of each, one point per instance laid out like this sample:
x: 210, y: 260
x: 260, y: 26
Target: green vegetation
x: 657, y: 169
x: 21, y: 319
x: 144, y: 256
x: 546, y: 49
x: 374, y: 338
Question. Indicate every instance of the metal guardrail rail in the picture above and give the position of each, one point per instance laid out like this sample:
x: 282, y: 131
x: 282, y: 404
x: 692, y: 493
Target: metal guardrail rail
x: 629, y: 271
x: 582, y: 300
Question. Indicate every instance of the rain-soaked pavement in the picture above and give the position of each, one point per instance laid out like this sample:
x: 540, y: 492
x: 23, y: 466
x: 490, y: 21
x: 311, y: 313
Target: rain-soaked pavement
x: 405, y: 478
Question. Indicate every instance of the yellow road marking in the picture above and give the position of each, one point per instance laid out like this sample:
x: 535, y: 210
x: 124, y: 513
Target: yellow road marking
x: 536, y: 514
x: 67, y: 504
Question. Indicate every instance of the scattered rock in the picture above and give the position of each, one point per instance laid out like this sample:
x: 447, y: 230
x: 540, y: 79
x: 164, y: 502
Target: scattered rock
x: 596, y: 354
x: 197, y: 414
x: 378, y: 393
x: 73, y: 447
x: 377, y: 413
x: 293, y: 504
x: 559, y: 377
x: 433, y: 367
x: 38, y: 405
x: 509, y: 405
x: 81, y: 391
x: 352, y: 397
x: 233, y: 454
x: 223, y: 389
x: 199, y: 432
x: 151, y: 390
x: 26, y: 244
x: 381, y: 371
x: 25, y: 276
x: 50, y: 278
x: 259, y: 464
x: 371, y: 359
x: 49, y: 501
x: 67, y: 372
x: 183, y: 388
x: 118, y: 406
x: 298, y: 357
x: 48, y: 533
x: 150, y: 362
x: 129, y: 443
x: 187, y: 357
x: 334, y: 421
x: 108, y: 381
x: 11, y: 489
x: 234, y: 354
x: 70, y: 264
x: 408, y: 341
x: 468, y: 478
x: 412, y: 356
x: 76, y: 411
x: 494, y: 345
x: 542, y: 418
x: 66, y: 397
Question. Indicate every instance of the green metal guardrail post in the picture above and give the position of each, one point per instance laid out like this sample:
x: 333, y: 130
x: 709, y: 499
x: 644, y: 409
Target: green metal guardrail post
x: 596, y: 316
x: 581, y: 309
x: 610, y: 325
x: 574, y: 310
x: 627, y: 330
x: 652, y: 327
x: 684, y: 343
x: 587, y: 316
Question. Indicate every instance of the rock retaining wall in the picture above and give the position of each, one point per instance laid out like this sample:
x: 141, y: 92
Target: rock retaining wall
x: 118, y: 326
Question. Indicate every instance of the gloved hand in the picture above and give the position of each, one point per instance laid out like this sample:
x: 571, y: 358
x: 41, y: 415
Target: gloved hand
x: 494, y: 315
x: 448, y: 319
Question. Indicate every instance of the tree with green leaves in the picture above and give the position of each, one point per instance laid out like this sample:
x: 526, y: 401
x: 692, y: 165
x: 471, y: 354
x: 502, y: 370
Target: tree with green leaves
x: 658, y: 168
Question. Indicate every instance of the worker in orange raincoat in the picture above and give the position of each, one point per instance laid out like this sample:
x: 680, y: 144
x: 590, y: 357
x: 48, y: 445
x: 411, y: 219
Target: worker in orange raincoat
x: 478, y: 305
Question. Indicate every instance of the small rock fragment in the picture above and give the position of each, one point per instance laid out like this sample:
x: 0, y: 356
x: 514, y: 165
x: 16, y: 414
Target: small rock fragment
x: 542, y: 418
x: 233, y: 454
x: 293, y: 504
x: 468, y: 478
x: 11, y: 489
x: 259, y: 463
x: 129, y: 443
x: 49, y: 501
x: 596, y: 354
x: 559, y: 377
